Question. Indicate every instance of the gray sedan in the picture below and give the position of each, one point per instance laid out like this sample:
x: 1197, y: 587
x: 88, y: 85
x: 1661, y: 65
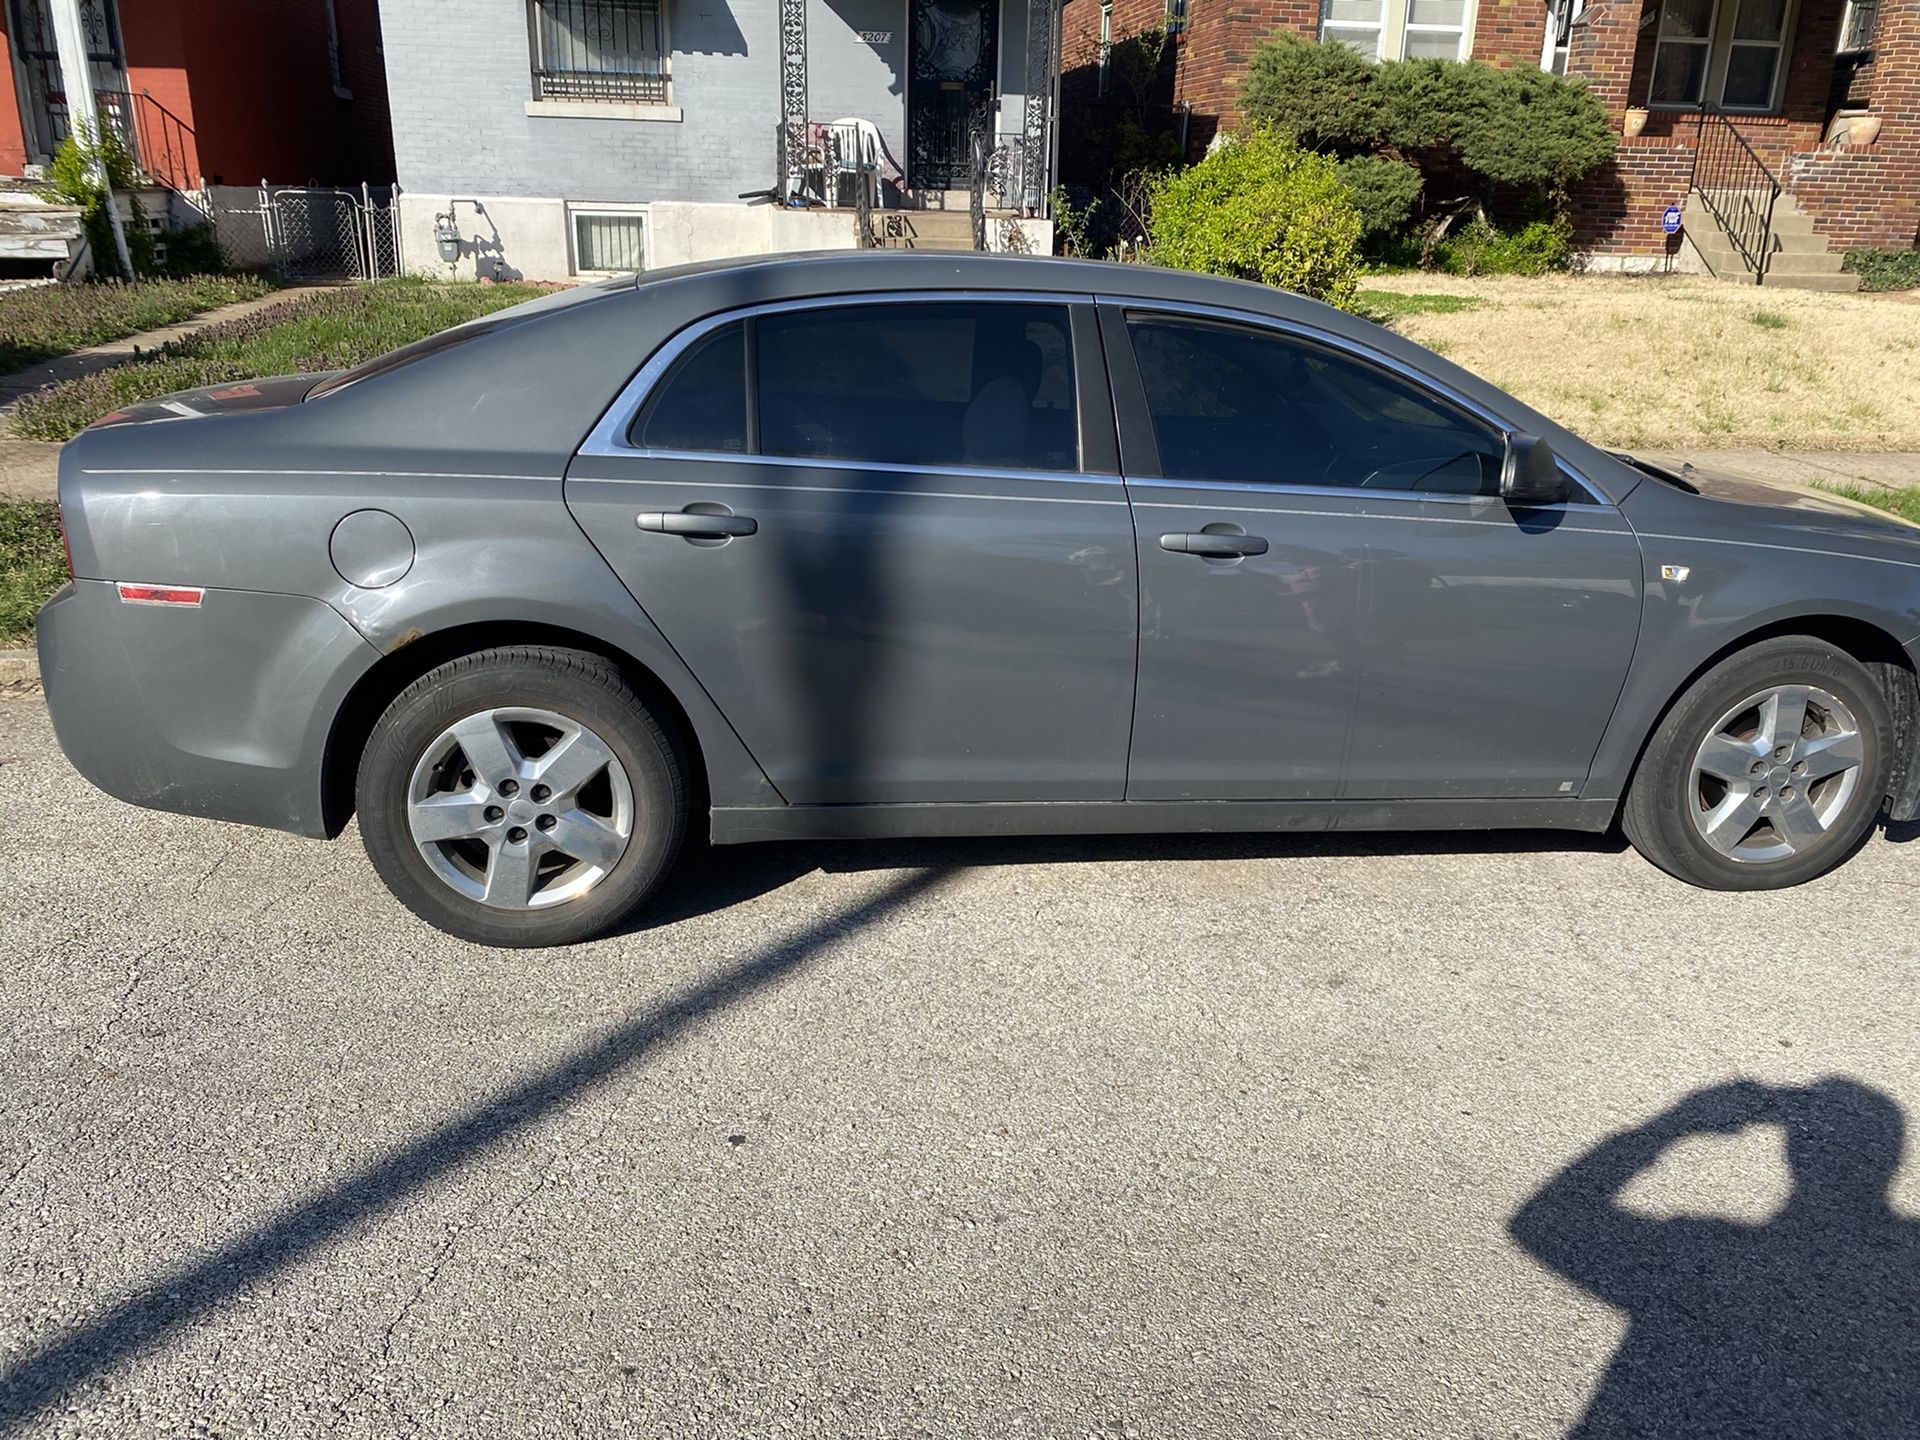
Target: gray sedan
x: 887, y: 545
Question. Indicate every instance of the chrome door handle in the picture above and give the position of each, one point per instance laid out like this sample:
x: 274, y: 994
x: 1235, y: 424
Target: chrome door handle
x: 695, y: 525
x: 1219, y: 547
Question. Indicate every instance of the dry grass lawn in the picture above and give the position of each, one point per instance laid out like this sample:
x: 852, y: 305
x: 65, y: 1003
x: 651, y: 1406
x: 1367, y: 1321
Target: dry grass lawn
x: 1681, y: 362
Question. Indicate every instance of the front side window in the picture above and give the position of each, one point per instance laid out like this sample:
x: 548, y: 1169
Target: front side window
x: 1238, y: 406
x: 946, y: 383
x: 599, y: 50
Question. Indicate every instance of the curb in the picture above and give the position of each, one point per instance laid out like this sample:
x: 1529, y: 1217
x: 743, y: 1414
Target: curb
x: 19, y: 669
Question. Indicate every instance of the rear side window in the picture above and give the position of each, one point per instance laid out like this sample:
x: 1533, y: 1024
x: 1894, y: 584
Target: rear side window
x: 702, y: 404
x: 1247, y: 406
x: 937, y: 383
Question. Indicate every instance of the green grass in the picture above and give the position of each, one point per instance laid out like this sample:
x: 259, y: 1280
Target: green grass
x: 33, y: 565
x: 330, y: 331
x: 1904, y: 502
x: 1769, y: 319
x: 1383, y: 307
x: 47, y: 320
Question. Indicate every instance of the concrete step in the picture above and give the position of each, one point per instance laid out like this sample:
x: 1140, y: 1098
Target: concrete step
x: 1721, y: 256
x: 924, y: 230
x: 1841, y: 284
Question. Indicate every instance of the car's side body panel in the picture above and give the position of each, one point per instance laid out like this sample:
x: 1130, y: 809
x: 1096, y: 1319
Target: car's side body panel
x: 222, y: 709
x: 227, y: 710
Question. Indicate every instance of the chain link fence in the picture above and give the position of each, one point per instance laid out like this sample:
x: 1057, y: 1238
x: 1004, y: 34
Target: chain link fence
x: 308, y: 235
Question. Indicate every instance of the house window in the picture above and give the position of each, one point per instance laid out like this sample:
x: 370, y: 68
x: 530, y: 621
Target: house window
x: 1356, y: 23
x: 1562, y: 16
x: 1398, y: 29
x: 608, y: 242
x: 1856, y: 27
x: 1730, y: 55
x: 599, y: 50
x: 1175, y: 20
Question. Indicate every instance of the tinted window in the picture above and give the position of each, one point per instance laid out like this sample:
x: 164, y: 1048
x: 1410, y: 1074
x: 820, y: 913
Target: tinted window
x: 919, y: 384
x: 1246, y: 406
x: 702, y: 404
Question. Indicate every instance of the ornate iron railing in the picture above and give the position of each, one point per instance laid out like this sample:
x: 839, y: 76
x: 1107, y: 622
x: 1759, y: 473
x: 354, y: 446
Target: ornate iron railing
x: 979, y: 158
x: 1737, y: 188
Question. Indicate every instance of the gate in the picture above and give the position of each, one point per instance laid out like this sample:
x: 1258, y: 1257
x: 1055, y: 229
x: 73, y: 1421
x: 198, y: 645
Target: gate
x: 309, y: 236
x: 316, y: 236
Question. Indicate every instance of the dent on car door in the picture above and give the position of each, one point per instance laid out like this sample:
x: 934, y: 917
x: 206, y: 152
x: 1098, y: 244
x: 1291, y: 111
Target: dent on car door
x: 870, y: 532
x: 1390, y: 629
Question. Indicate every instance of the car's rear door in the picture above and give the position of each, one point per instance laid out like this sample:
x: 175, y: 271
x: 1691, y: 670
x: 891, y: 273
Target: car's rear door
x: 1334, y: 600
x: 888, y: 536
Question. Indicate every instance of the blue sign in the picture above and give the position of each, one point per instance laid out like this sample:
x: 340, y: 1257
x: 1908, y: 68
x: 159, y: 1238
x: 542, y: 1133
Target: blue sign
x: 1670, y: 220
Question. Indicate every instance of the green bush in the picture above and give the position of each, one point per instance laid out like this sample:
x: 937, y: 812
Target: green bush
x: 1884, y: 269
x: 1384, y: 192
x: 1260, y: 208
x: 1477, y: 248
x: 1454, y: 120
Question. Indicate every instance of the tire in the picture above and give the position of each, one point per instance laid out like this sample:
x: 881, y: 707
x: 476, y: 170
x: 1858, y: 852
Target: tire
x: 1771, y: 826
x: 523, y: 863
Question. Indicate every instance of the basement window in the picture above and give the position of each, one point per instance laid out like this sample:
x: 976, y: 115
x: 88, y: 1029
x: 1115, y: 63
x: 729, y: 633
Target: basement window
x: 608, y: 242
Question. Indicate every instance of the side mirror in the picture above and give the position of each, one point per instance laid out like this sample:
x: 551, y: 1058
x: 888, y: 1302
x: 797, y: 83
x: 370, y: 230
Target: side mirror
x: 1529, y: 475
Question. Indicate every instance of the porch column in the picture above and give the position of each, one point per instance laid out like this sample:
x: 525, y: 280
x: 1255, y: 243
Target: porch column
x: 1043, y: 52
x: 793, y: 83
x: 70, y: 39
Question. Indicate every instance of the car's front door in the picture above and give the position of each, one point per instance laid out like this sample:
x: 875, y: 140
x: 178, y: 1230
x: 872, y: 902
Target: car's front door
x: 877, y: 535
x: 1334, y: 600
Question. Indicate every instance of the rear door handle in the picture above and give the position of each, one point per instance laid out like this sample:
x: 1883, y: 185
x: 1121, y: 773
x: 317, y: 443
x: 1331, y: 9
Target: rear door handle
x: 695, y: 525
x: 1219, y: 547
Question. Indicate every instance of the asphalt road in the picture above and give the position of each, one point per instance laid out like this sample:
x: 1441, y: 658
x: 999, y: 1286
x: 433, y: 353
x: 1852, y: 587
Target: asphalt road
x: 1182, y: 1138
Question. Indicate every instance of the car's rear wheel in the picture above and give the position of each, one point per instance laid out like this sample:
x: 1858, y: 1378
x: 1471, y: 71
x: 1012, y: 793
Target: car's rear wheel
x: 521, y: 796
x: 1768, y: 771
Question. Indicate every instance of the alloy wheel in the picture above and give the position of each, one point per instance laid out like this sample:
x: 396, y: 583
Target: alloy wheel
x: 519, y: 808
x: 1775, y: 773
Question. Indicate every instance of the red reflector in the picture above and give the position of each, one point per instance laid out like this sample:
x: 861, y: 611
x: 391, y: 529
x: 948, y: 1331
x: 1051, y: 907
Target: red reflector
x: 160, y: 594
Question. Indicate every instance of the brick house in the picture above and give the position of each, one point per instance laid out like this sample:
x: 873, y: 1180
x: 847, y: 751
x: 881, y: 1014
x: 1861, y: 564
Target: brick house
x: 222, y: 91
x: 1726, y: 99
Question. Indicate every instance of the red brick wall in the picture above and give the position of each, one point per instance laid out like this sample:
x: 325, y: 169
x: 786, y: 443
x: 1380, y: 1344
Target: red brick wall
x: 1510, y: 32
x: 1871, y: 197
x: 13, y: 143
x: 1617, y: 210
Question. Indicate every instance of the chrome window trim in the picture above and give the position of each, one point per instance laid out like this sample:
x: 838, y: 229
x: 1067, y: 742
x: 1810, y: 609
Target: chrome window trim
x: 609, y: 437
x: 874, y: 489
x: 1359, y: 350
x: 883, y: 467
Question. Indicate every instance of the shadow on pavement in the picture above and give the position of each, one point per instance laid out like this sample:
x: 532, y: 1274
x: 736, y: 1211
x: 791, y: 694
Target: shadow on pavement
x: 179, y: 1298
x: 1806, y: 1325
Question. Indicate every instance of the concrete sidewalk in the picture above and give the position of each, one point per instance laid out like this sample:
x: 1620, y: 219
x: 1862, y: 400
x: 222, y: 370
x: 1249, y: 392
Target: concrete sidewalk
x: 27, y: 467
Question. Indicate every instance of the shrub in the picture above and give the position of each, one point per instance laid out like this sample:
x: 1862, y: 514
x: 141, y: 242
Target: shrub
x: 1455, y: 120
x: 89, y: 151
x: 1884, y: 269
x: 1477, y: 248
x: 33, y: 564
x: 1260, y: 208
x: 1384, y: 192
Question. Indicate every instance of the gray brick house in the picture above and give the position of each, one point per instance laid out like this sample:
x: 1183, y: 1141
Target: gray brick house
x: 547, y: 139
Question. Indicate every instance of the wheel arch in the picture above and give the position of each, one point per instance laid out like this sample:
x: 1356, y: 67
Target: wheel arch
x: 1875, y: 647
x: 371, y: 695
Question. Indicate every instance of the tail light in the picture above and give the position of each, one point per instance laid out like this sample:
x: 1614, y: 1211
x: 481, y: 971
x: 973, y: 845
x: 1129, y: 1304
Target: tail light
x: 137, y: 594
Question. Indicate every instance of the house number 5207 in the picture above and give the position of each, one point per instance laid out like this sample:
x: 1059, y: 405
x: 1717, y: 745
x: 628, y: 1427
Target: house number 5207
x: 875, y: 37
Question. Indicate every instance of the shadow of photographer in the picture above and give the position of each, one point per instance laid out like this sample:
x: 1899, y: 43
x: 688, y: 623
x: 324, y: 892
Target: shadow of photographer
x: 1805, y: 1325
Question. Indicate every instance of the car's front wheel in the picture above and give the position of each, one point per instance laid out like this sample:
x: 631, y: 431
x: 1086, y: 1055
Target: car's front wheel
x: 1769, y: 770
x: 521, y: 796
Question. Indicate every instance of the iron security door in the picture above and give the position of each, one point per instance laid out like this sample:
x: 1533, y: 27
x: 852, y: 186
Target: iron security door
x: 952, y: 51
